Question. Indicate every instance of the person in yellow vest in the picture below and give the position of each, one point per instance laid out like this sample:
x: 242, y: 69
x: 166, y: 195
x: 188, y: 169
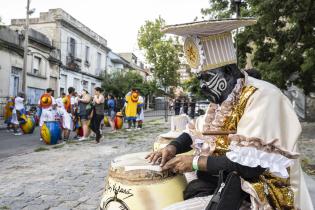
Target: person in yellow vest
x: 131, y: 107
x: 248, y: 134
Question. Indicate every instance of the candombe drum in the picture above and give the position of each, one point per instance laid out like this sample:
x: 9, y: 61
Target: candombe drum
x: 51, y: 132
x: 106, y: 122
x: 134, y: 184
x: 119, y: 120
x: 29, y: 125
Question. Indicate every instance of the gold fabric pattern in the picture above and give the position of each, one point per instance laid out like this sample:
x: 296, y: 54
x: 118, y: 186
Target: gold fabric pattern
x: 274, y: 190
x: 222, y: 142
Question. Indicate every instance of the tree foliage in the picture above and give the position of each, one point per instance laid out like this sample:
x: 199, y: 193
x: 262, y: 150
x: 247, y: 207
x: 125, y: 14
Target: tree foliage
x: 119, y: 84
x: 282, y: 42
x: 160, y: 51
x: 192, y: 85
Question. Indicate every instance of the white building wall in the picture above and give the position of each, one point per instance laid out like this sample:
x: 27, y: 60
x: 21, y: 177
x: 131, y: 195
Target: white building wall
x: 81, y: 44
x: 71, y: 77
x: 7, y: 60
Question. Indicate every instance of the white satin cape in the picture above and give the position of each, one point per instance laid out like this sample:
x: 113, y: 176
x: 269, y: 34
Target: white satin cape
x: 269, y: 115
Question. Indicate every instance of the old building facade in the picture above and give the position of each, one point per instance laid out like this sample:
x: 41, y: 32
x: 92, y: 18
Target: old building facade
x: 83, y: 53
x: 42, y: 69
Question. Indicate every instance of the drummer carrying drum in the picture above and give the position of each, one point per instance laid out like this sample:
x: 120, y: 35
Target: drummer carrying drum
x: 245, y: 144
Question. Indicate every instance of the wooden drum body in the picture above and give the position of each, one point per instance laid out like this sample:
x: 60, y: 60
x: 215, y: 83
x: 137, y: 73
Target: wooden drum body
x: 133, y: 184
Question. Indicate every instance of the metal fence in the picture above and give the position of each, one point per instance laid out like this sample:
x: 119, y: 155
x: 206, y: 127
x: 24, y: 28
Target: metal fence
x: 165, y: 109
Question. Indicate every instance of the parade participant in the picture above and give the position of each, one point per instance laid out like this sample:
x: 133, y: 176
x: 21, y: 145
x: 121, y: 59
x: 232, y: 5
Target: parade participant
x: 64, y: 117
x: 75, y: 116
x: 9, y: 106
x: 131, y: 104
x: 84, y: 110
x: 19, y: 113
x: 98, y: 113
x: 262, y: 152
x: 111, y: 111
x: 46, y: 104
x: 140, y: 113
x: 69, y: 102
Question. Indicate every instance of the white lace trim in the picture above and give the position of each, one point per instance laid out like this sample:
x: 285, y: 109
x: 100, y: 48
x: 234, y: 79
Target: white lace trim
x: 249, y: 156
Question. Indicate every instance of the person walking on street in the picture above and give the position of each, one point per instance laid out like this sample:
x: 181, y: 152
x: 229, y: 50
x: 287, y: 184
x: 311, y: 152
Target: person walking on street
x: 98, y: 113
x: 84, y: 110
x: 111, y: 104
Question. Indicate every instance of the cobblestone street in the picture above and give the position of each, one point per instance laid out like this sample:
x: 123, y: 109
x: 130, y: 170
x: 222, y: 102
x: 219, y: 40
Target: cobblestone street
x: 71, y: 176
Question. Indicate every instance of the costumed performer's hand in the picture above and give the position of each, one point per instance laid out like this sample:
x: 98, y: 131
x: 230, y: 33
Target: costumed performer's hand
x: 162, y: 156
x: 180, y: 164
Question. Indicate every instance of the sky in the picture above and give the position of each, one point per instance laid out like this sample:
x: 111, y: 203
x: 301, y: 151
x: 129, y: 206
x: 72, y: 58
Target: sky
x: 118, y: 21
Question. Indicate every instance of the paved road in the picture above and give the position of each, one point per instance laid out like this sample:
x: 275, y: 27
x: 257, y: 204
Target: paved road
x: 13, y: 145
x: 69, y: 176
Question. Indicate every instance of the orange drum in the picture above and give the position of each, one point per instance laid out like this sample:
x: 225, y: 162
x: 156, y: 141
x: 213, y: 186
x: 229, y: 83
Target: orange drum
x: 119, y: 120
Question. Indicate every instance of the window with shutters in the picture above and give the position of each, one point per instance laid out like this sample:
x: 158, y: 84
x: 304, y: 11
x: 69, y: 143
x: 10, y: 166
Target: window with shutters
x: 85, y: 84
x: 72, y: 47
x: 36, y: 65
x: 87, y: 54
x: 98, y: 63
x: 76, y: 84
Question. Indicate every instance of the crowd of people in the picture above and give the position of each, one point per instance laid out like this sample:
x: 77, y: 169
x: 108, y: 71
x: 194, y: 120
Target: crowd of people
x: 80, y: 113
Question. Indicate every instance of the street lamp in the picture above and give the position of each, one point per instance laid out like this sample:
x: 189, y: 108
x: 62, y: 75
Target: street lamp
x: 237, y: 4
x: 28, y: 13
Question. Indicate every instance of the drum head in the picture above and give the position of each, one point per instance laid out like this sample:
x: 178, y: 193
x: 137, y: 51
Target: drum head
x: 135, y: 168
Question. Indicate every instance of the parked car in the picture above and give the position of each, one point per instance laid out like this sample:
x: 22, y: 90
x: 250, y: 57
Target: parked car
x: 201, y: 107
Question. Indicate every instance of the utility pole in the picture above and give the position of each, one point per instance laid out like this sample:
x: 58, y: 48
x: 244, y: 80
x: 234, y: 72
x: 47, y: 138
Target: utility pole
x: 25, y: 46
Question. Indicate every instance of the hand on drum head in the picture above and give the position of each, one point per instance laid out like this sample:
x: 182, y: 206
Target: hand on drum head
x: 180, y: 164
x: 162, y: 156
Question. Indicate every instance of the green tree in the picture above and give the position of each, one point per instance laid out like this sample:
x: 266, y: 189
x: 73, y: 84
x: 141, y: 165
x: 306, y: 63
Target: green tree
x: 119, y: 84
x: 161, y: 51
x: 282, y: 42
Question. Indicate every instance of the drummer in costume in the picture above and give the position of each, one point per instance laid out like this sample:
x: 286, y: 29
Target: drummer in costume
x: 131, y: 107
x: 64, y: 116
x: 263, y: 150
x: 69, y: 102
x: 47, y: 105
x: 9, y: 106
x: 19, y: 113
